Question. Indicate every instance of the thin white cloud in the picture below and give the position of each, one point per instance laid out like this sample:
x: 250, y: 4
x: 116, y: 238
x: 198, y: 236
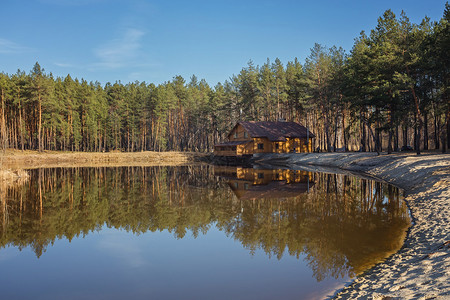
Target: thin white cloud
x: 123, y: 247
x: 64, y: 65
x: 120, y: 52
x: 8, y: 47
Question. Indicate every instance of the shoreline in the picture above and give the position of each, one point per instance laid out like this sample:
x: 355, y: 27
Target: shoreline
x: 13, y: 163
x: 421, y: 268
x: 16, y: 159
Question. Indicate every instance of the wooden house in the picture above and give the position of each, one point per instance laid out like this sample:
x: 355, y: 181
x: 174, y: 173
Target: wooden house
x: 248, y: 138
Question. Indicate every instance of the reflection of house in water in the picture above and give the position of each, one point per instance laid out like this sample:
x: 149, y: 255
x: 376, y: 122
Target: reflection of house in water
x: 252, y: 184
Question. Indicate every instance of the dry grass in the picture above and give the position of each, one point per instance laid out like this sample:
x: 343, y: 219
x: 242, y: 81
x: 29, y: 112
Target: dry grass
x: 16, y: 159
x: 10, y: 174
x: 13, y: 162
x: 12, y: 177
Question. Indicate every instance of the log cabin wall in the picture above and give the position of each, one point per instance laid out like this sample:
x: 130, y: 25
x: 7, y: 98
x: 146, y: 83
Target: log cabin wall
x: 221, y: 152
x: 247, y: 149
x: 262, y: 145
x: 279, y: 147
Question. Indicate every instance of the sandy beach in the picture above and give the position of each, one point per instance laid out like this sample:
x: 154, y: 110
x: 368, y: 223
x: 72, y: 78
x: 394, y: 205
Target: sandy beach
x: 421, y: 269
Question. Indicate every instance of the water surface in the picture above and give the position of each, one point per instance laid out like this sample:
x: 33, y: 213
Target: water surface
x: 196, y: 232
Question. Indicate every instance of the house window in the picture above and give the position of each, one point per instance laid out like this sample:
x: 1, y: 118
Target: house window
x: 277, y: 146
x: 260, y: 175
x: 235, y: 135
x: 233, y: 148
x: 245, y: 134
x: 261, y: 146
x: 245, y: 186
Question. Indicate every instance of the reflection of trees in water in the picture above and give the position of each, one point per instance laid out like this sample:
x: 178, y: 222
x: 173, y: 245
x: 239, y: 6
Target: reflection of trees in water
x: 71, y: 202
x: 343, y: 225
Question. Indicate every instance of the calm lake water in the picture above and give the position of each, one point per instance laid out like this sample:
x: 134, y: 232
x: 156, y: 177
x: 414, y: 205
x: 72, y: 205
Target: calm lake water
x: 197, y: 232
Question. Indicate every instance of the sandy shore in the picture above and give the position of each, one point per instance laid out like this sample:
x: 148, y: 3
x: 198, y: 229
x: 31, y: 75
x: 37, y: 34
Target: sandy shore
x: 15, y: 159
x: 421, y: 269
x: 13, y: 162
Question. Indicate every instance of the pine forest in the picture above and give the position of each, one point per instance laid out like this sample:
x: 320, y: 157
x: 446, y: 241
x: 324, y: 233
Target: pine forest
x: 390, y: 91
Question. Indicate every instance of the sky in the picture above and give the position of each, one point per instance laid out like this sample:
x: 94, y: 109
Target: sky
x: 156, y: 40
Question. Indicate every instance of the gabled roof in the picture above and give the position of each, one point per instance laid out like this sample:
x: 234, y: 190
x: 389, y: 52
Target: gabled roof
x: 275, y: 189
x: 275, y: 131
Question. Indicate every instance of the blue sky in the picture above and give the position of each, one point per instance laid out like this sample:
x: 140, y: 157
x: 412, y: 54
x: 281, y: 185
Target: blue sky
x: 155, y: 40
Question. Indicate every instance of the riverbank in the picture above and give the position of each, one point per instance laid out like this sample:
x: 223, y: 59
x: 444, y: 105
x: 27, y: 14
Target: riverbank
x: 16, y: 159
x: 13, y: 162
x: 421, y: 269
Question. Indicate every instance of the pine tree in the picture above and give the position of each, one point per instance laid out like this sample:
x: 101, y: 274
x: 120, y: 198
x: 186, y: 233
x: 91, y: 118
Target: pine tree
x: 39, y: 94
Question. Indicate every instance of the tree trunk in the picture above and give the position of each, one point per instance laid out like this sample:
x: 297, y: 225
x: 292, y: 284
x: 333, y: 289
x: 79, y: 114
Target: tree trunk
x: 335, y: 132
x: 390, y: 141
x: 3, y: 122
x: 343, y: 131
x: 363, y: 132
x: 20, y: 121
x: 396, y: 139
x: 128, y: 139
x: 436, y: 132
x: 417, y: 135
x: 405, y: 135
x: 377, y: 140
x: 425, y: 131
x: 418, y: 113
x: 444, y: 136
x: 391, y: 125
x: 307, y: 135
x: 327, y: 133
x: 448, y: 128
x: 40, y: 123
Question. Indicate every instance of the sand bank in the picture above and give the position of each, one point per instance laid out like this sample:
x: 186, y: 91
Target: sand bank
x: 15, y: 159
x: 421, y: 269
x: 13, y: 163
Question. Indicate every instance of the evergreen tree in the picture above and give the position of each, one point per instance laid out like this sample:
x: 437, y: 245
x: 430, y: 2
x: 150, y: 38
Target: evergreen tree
x: 40, y: 93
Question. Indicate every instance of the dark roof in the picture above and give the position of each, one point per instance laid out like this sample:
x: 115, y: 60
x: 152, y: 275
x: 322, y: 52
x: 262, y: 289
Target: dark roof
x: 233, y: 143
x: 275, y: 189
x: 275, y: 131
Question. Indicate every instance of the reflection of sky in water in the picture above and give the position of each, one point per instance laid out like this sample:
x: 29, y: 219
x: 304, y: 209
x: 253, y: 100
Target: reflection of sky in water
x: 8, y: 254
x: 115, y: 264
x: 125, y: 249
